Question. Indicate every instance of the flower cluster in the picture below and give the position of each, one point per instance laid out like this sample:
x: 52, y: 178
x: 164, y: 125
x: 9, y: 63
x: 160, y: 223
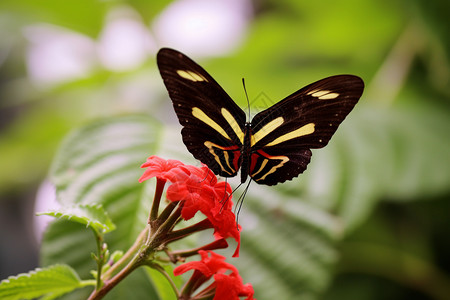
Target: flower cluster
x: 192, y: 190
x: 198, y: 190
x: 224, y: 287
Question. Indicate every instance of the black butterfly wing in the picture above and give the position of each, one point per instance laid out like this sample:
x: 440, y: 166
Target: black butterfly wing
x: 213, y: 125
x: 283, y: 134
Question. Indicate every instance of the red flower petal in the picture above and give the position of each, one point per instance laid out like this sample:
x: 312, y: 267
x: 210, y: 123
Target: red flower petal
x: 197, y: 196
x: 230, y: 287
x: 224, y: 223
x: 158, y: 167
x: 193, y: 265
x: 209, y: 265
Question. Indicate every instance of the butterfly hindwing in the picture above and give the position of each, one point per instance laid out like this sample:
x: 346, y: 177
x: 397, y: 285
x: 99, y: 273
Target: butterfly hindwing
x: 283, y: 134
x: 213, y: 125
x: 279, y: 166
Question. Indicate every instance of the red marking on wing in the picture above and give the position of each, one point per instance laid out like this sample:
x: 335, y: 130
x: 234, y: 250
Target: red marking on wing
x: 254, y: 159
x: 237, y: 156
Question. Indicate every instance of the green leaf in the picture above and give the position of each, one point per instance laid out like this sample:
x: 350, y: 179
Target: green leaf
x: 100, y: 164
x: 162, y: 285
x: 93, y: 216
x: 52, y: 281
x: 377, y: 153
x: 286, y: 242
x: 391, y: 151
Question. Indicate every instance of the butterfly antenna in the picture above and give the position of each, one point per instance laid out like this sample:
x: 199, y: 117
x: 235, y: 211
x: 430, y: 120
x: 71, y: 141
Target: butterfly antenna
x: 239, y: 203
x: 246, y: 95
x: 226, y: 197
x: 206, y: 176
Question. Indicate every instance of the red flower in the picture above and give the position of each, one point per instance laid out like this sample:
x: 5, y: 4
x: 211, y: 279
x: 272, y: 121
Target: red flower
x: 225, y: 286
x: 158, y: 167
x: 195, y: 193
x: 199, y: 190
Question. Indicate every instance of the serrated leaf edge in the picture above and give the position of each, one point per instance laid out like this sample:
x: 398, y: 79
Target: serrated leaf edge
x: 67, y: 216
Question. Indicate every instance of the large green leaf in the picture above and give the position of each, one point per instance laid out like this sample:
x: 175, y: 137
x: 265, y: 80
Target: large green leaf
x: 52, y: 282
x: 99, y: 164
x: 286, y: 242
x: 92, y: 216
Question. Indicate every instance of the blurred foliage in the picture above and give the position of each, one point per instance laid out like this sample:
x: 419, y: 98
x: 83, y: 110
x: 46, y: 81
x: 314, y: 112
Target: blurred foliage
x: 55, y: 280
x: 98, y: 164
x: 372, y: 208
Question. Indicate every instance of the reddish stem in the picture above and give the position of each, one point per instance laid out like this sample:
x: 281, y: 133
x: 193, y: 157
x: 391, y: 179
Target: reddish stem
x: 160, y: 183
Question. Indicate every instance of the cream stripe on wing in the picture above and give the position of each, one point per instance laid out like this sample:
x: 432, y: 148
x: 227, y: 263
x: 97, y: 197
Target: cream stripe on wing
x: 192, y: 76
x: 264, y: 163
x: 304, y: 130
x: 323, y: 94
x: 199, y: 114
x: 233, y: 123
x: 284, y: 159
x: 266, y: 129
x: 210, y: 146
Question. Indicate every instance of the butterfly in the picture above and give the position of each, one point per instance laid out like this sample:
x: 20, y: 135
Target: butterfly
x: 276, y: 145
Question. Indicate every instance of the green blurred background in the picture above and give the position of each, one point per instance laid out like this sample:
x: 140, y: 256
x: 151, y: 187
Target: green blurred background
x: 66, y: 63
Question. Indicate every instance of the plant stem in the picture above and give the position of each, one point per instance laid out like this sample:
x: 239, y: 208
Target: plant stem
x: 218, y: 244
x: 160, y: 183
x: 100, y: 259
x: 168, y: 222
x: 179, y: 234
x: 108, y: 285
x: 165, y: 214
x: 140, y: 258
x: 132, y: 251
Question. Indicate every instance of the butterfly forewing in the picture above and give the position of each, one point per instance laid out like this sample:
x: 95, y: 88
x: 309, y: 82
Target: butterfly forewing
x: 283, y: 134
x: 213, y: 125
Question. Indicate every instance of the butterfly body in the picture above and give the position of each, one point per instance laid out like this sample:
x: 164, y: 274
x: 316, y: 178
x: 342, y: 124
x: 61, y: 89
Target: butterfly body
x: 271, y: 148
x: 246, y: 152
